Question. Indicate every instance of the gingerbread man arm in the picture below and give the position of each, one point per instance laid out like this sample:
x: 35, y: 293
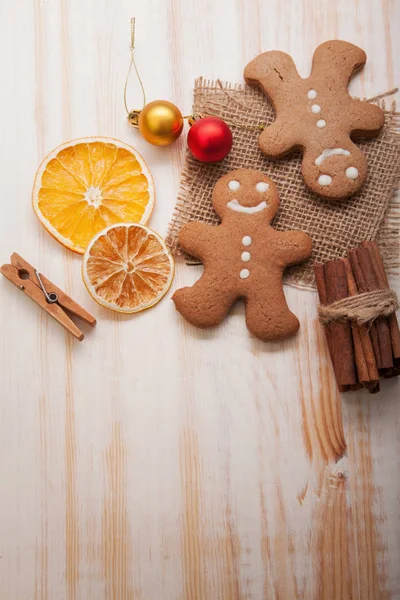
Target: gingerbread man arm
x: 197, y: 239
x: 366, y: 119
x: 335, y: 62
x: 294, y: 247
x: 278, y: 139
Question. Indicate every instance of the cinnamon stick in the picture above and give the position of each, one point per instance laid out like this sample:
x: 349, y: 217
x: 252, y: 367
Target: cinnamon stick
x: 384, y: 284
x: 362, y: 287
x: 367, y: 370
x: 365, y: 258
x: 341, y: 337
x: 323, y: 298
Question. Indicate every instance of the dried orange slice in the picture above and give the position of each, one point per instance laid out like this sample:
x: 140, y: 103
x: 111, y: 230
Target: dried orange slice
x: 127, y: 268
x: 88, y: 184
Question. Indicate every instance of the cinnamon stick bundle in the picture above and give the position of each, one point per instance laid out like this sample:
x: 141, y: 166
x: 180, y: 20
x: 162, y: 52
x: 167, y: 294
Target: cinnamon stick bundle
x: 394, y: 331
x: 360, y: 351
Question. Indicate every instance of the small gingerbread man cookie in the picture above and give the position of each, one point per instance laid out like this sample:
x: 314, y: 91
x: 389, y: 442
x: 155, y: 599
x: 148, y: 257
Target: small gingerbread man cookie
x: 243, y: 257
x: 318, y: 116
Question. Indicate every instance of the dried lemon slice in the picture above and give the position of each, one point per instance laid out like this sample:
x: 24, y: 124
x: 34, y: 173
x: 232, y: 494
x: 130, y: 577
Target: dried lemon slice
x: 88, y: 184
x: 127, y: 268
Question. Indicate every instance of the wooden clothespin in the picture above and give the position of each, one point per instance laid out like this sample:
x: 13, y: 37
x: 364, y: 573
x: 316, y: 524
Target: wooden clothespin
x: 48, y: 296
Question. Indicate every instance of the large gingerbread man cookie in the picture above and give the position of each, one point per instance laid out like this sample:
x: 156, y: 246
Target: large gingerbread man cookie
x: 243, y: 257
x: 318, y: 116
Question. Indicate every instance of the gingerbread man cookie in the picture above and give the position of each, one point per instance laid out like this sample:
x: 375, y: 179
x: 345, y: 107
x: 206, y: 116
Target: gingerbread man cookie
x: 243, y: 257
x: 318, y: 116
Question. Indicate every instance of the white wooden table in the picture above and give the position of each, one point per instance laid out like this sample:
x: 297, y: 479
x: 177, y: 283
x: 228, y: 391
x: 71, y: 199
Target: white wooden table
x: 154, y: 461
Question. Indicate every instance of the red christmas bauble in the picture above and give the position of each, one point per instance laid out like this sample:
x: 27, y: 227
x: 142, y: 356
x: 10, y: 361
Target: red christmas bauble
x: 209, y: 139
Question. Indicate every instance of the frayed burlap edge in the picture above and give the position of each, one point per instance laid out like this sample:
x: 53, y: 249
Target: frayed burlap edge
x: 388, y: 232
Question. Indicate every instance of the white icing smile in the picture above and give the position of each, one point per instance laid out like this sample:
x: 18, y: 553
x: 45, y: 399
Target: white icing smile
x: 328, y: 152
x: 250, y: 210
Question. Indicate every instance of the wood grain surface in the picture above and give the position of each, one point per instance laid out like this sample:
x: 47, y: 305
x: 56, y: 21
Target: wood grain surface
x: 155, y: 461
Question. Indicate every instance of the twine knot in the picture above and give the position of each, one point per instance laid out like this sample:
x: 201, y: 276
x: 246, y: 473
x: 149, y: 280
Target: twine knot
x: 361, y: 308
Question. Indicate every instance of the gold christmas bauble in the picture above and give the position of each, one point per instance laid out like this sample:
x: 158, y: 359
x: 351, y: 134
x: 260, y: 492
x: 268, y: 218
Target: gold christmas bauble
x: 160, y: 122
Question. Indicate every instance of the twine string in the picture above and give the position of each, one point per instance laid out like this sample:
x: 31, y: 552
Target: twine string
x: 382, y: 96
x: 362, y: 308
x: 133, y: 64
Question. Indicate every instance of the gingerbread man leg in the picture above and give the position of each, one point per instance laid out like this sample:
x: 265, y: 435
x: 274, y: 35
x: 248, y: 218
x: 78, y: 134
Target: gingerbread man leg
x: 270, y: 319
x: 204, y: 304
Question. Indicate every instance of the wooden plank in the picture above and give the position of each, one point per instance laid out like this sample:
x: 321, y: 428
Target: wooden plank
x: 156, y: 460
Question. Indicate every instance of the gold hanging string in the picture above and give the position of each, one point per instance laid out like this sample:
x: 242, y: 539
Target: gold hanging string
x: 133, y: 115
x: 133, y: 64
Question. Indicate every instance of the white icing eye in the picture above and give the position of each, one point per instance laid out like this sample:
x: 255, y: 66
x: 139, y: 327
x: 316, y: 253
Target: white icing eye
x: 351, y: 173
x: 324, y: 180
x: 262, y: 186
x: 233, y: 185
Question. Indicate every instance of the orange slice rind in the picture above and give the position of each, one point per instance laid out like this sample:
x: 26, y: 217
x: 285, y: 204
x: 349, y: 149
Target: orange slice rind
x: 127, y: 268
x: 88, y: 184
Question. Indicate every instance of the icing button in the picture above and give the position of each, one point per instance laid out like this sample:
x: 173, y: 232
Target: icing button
x: 312, y: 94
x: 315, y: 109
x: 246, y: 241
x: 321, y: 123
x: 246, y: 256
x: 244, y: 273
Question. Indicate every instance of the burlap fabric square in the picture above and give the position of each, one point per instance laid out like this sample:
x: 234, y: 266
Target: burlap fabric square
x: 333, y: 226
